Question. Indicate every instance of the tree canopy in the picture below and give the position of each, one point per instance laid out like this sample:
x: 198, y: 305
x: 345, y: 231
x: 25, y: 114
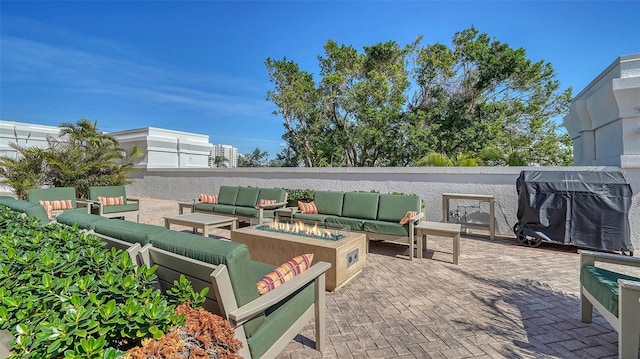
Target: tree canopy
x: 391, y: 105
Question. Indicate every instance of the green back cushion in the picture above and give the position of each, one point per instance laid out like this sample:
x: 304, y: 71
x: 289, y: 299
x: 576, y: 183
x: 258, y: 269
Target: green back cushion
x: 52, y: 194
x: 227, y: 195
x: 392, y: 207
x: 360, y: 205
x: 278, y: 194
x: 30, y: 209
x: 82, y: 218
x: 233, y: 255
x: 247, y: 197
x: 603, y: 285
x: 128, y: 231
x: 329, y: 202
x: 107, y: 191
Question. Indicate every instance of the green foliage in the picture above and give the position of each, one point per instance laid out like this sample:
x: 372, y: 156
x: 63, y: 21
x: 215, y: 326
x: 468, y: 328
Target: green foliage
x: 62, y: 294
x: 256, y: 158
x: 80, y: 158
x: 389, y: 105
x: 182, y: 291
x: 295, y: 195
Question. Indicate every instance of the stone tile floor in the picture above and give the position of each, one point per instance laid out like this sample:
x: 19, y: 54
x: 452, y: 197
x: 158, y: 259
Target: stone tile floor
x: 502, y: 301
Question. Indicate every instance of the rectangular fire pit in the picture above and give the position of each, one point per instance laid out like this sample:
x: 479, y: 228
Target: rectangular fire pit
x: 347, y: 255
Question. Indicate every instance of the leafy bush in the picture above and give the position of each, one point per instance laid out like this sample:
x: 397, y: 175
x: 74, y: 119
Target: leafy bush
x: 295, y: 195
x: 63, y: 295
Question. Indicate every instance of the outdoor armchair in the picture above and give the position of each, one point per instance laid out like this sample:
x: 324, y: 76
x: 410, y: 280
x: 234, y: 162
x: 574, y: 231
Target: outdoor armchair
x: 57, y: 194
x: 615, y: 295
x: 112, y: 202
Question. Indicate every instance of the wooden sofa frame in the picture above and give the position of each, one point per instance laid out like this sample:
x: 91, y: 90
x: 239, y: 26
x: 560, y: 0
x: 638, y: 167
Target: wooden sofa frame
x: 627, y: 323
x: 221, y: 300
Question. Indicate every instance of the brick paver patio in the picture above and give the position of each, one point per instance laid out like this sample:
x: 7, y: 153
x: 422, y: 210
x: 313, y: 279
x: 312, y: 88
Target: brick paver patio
x: 502, y: 301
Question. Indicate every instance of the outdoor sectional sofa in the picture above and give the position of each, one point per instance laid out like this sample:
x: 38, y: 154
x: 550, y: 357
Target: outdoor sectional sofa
x: 264, y: 324
x: 242, y: 202
x: 377, y: 215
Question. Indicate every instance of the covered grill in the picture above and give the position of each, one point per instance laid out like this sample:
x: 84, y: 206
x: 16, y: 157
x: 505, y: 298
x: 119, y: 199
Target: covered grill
x: 580, y: 208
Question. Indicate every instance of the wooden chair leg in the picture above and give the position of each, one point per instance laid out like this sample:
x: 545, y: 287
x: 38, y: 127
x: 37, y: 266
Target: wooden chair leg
x: 586, y: 308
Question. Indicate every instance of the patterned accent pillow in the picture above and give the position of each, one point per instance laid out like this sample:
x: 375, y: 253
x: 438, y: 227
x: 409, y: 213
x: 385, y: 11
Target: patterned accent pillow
x: 407, y: 217
x: 208, y: 198
x: 308, y: 207
x: 284, y: 272
x: 266, y: 202
x: 111, y: 201
x: 58, y: 205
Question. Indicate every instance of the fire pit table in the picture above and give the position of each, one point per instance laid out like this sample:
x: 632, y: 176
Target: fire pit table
x: 345, y: 251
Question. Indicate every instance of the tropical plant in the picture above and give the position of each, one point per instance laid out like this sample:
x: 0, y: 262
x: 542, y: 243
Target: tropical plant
x: 219, y: 161
x: 81, y: 157
x: 257, y: 158
x: 62, y: 294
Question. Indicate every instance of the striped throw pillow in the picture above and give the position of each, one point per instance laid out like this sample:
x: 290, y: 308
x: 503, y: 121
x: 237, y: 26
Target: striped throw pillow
x: 265, y: 202
x: 407, y: 217
x: 308, y: 207
x: 284, y: 272
x: 111, y: 201
x: 56, y: 205
x: 208, y: 198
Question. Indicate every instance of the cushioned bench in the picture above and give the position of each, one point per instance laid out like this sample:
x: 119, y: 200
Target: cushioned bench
x: 243, y: 202
x: 615, y: 295
x: 377, y: 215
x: 129, y: 206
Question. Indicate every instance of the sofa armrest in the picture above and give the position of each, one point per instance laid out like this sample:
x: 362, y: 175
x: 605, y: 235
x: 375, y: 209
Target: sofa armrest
x: 262, y: 303
x: 416, y: 218
x: 272, y: 206
x: 87, y: 203
x: 133, y: 199
x: 590, y: 257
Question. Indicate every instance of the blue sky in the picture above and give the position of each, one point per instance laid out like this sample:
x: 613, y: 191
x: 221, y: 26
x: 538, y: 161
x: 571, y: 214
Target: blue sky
x: 199, y: 66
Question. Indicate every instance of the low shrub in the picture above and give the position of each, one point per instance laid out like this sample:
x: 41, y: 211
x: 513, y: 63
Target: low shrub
x: 63, y: 295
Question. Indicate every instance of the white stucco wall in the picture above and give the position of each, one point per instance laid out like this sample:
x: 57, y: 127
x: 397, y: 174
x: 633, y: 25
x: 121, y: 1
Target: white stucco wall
x: 427, y: 182
x: 604, y: 118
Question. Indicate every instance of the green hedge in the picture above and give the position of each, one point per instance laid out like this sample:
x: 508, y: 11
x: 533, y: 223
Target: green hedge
x: 63, y: 295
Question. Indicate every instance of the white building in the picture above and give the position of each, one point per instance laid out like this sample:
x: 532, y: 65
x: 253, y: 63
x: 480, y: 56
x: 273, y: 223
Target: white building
x: 226, y: 151
x: 166, y: 148
x: 162, y: 148
x: 604, y: 119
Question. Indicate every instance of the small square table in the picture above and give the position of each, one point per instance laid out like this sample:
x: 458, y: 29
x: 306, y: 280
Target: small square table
x: 185, y: 205
x: 203, y: 221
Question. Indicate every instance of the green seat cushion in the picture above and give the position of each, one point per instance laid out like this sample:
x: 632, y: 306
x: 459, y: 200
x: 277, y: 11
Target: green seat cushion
x: 247, y: 212
x: 392, y: 207
x: 82, y: 218
x: 354, y: 224
x: 247, y: 197
x: 382, y: 227
x: 204, y: 207
x: 329, y: 202
x: 603, y: 285
x: 130, y: 207
x: 233, y: 255
x: 52, y: 194
x: 107, y: 191
x: 128, y: 231
x: 278, y: 194
x: 360, y: 205
x: 310, y: 217
x: 280, y: 318
x: 224, y: 208
x: 227, y: 195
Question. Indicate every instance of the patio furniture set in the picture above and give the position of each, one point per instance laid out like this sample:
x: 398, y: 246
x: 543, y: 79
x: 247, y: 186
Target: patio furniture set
x: 265, y: 324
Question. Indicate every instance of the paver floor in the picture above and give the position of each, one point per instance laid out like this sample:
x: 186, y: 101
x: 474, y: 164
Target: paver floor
x: 502, y: 301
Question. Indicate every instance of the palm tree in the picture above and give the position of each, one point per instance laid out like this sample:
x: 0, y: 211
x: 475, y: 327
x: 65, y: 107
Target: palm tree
x: 220, y: 161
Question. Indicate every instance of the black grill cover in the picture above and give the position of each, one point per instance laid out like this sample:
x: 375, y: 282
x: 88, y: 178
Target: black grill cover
x: 583, y: 208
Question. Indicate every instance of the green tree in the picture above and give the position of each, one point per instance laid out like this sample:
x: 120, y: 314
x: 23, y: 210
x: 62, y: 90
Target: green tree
x: 81, y: 157
x: 390, y: 105
x: 256, y: 158
x: 219, y: 161
x: 482, y: 94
